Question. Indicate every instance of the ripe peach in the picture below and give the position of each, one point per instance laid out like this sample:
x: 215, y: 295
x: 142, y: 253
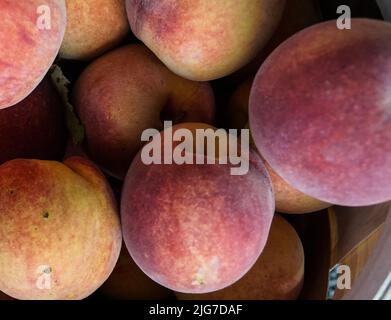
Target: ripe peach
x: 35, y: 127
x: 196, y: 228
x: 94, y: 26
x: 127, y: 91
x: 288, y: 199
x: 277, y: 274
x: 204, y: 39
x: 31, y: 32
x: 320, y: 112
x: 60, y: 232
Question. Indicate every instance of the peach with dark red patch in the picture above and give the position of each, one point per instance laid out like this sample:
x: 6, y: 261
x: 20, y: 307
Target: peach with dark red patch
x: 35, y: 127
x: 320, y: 112
x: 277, y: 275
x: 59, y: 227
x: 196, y: 228
x: 127, y: 91
x: 204, y: 39
x: 31, y: 32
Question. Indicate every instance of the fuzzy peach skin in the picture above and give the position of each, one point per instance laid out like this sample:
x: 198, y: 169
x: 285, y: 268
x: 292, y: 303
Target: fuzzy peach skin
x: 128, y: 282
x: 127, y: 91
x: 58, y: 222
x: 196, y: 228
x: 35, y: 127
x: 291, y: 200
x: 320, y: 112
x: 277, y: 275
x: 27, y: 50
x: 204, y: 39
x: 288, y: 199
x: 94, y: 26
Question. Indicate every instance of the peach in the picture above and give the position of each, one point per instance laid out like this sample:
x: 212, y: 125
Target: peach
x: 59, y: 227
x: 320, y: 112
x: 277, y: 275
x: 35, y: 127
x: 195, y: 228
x: 204, y: 39
x: 128, y: 282
x: 94, y: 27
x: 127, y: 91
x: 31, y: 32
x: 288, y: 199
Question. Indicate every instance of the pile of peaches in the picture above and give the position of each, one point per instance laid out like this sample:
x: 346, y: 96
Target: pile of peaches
x: 73, y: 186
